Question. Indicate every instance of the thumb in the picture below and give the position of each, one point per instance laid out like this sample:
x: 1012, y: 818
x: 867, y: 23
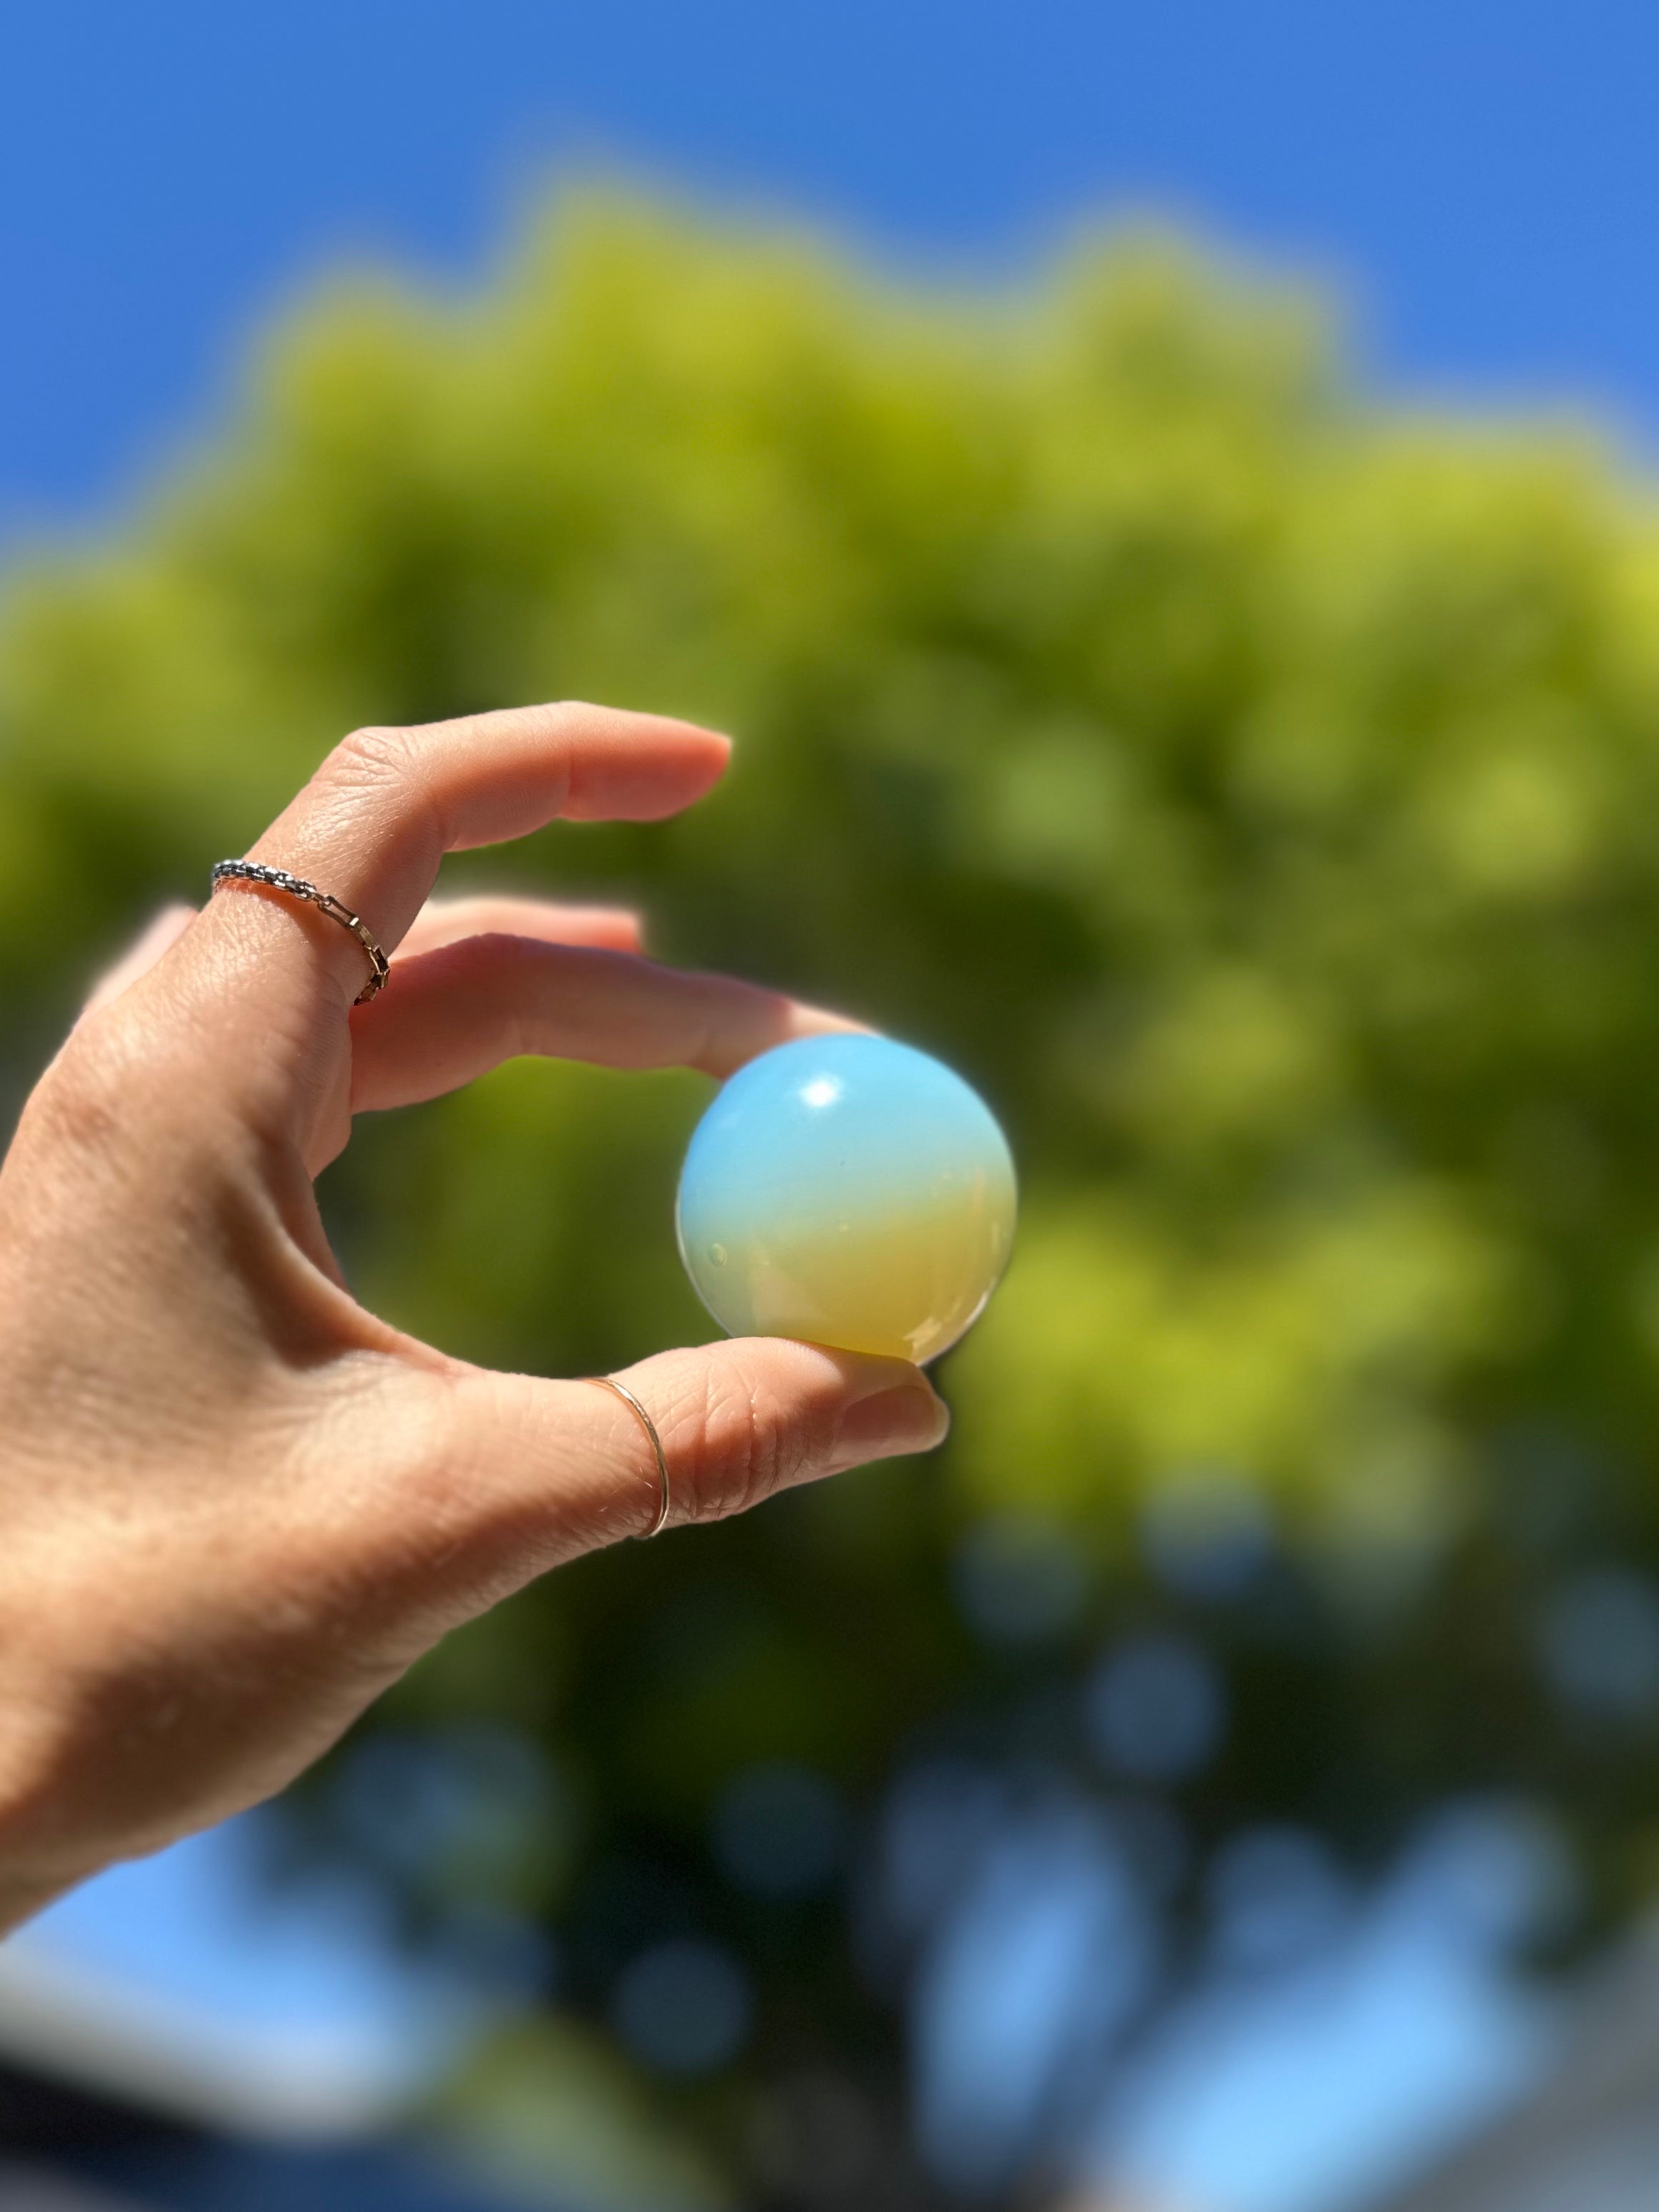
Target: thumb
x: 737, y: 1421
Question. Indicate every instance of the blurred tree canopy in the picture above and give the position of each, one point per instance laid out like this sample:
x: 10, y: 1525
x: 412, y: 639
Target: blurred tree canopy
x: 1254, y: 791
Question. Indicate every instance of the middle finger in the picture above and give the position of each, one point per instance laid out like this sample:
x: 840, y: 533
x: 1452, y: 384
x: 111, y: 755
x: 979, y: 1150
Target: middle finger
x: 448, y: 1015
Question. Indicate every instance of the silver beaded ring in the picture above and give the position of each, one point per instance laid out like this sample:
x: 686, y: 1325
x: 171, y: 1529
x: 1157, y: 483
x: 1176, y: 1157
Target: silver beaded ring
x: 278, y: 879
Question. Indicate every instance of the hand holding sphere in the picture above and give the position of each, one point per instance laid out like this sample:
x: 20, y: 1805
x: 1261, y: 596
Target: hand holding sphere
x: 234, y: 1504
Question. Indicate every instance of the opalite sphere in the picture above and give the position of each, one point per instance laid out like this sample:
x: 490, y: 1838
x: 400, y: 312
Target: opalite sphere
x: 850, y: 1191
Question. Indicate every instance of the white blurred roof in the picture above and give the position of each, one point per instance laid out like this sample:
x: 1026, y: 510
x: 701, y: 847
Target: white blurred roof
x: 1587, y: 2139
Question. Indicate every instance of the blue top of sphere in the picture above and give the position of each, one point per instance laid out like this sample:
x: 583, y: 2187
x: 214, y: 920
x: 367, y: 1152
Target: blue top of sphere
x: 854, y: 1106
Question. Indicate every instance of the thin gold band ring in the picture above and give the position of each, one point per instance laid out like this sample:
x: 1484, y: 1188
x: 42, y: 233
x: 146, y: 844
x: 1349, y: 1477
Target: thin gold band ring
x: 663, y: 1500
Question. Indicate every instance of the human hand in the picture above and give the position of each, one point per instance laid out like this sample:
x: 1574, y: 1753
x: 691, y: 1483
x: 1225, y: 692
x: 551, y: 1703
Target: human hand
x: 234, y: 1505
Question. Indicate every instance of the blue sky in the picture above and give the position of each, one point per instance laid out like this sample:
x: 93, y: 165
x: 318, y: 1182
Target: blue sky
x: 1484, y: 177
x: 215, y: 1981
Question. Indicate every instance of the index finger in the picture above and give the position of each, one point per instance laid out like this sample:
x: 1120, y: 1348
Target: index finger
x: 377, y: 817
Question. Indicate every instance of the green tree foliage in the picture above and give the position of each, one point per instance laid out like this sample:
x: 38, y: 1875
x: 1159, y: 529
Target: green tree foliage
x: 1255, y: 792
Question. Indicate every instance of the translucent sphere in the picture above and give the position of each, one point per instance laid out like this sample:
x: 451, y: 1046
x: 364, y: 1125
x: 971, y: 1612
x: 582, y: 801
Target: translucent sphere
x: 850, y: 1191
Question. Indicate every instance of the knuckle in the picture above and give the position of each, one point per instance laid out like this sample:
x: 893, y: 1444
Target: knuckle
x: 377, y: 753
x: 86, y: 1099
x: 384, y: 762
x: 744, y: 1444
x: 554, y: 716
x: 380, y: 759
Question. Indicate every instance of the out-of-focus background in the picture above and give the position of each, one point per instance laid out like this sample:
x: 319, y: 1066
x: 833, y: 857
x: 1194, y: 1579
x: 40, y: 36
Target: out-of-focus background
x: 1160, y: 497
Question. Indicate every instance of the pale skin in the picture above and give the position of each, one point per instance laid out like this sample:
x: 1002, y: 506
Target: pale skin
x: 235, y: 1505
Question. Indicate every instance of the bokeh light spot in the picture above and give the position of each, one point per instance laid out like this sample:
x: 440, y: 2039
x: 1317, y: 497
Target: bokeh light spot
x: 1206, y: 1533
x: 1019, y: 1579
x: 777, y: 1830
x: 1156, y: 1708
x: 1601, y: 1644
x: 683, y: 2008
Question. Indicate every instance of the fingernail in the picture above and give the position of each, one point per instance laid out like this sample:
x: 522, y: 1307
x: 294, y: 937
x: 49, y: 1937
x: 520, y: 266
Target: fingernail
x: 909, y: 1418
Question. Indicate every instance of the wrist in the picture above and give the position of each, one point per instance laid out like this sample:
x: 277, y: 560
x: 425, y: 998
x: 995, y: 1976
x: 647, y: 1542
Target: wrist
x: 36, y: 1865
